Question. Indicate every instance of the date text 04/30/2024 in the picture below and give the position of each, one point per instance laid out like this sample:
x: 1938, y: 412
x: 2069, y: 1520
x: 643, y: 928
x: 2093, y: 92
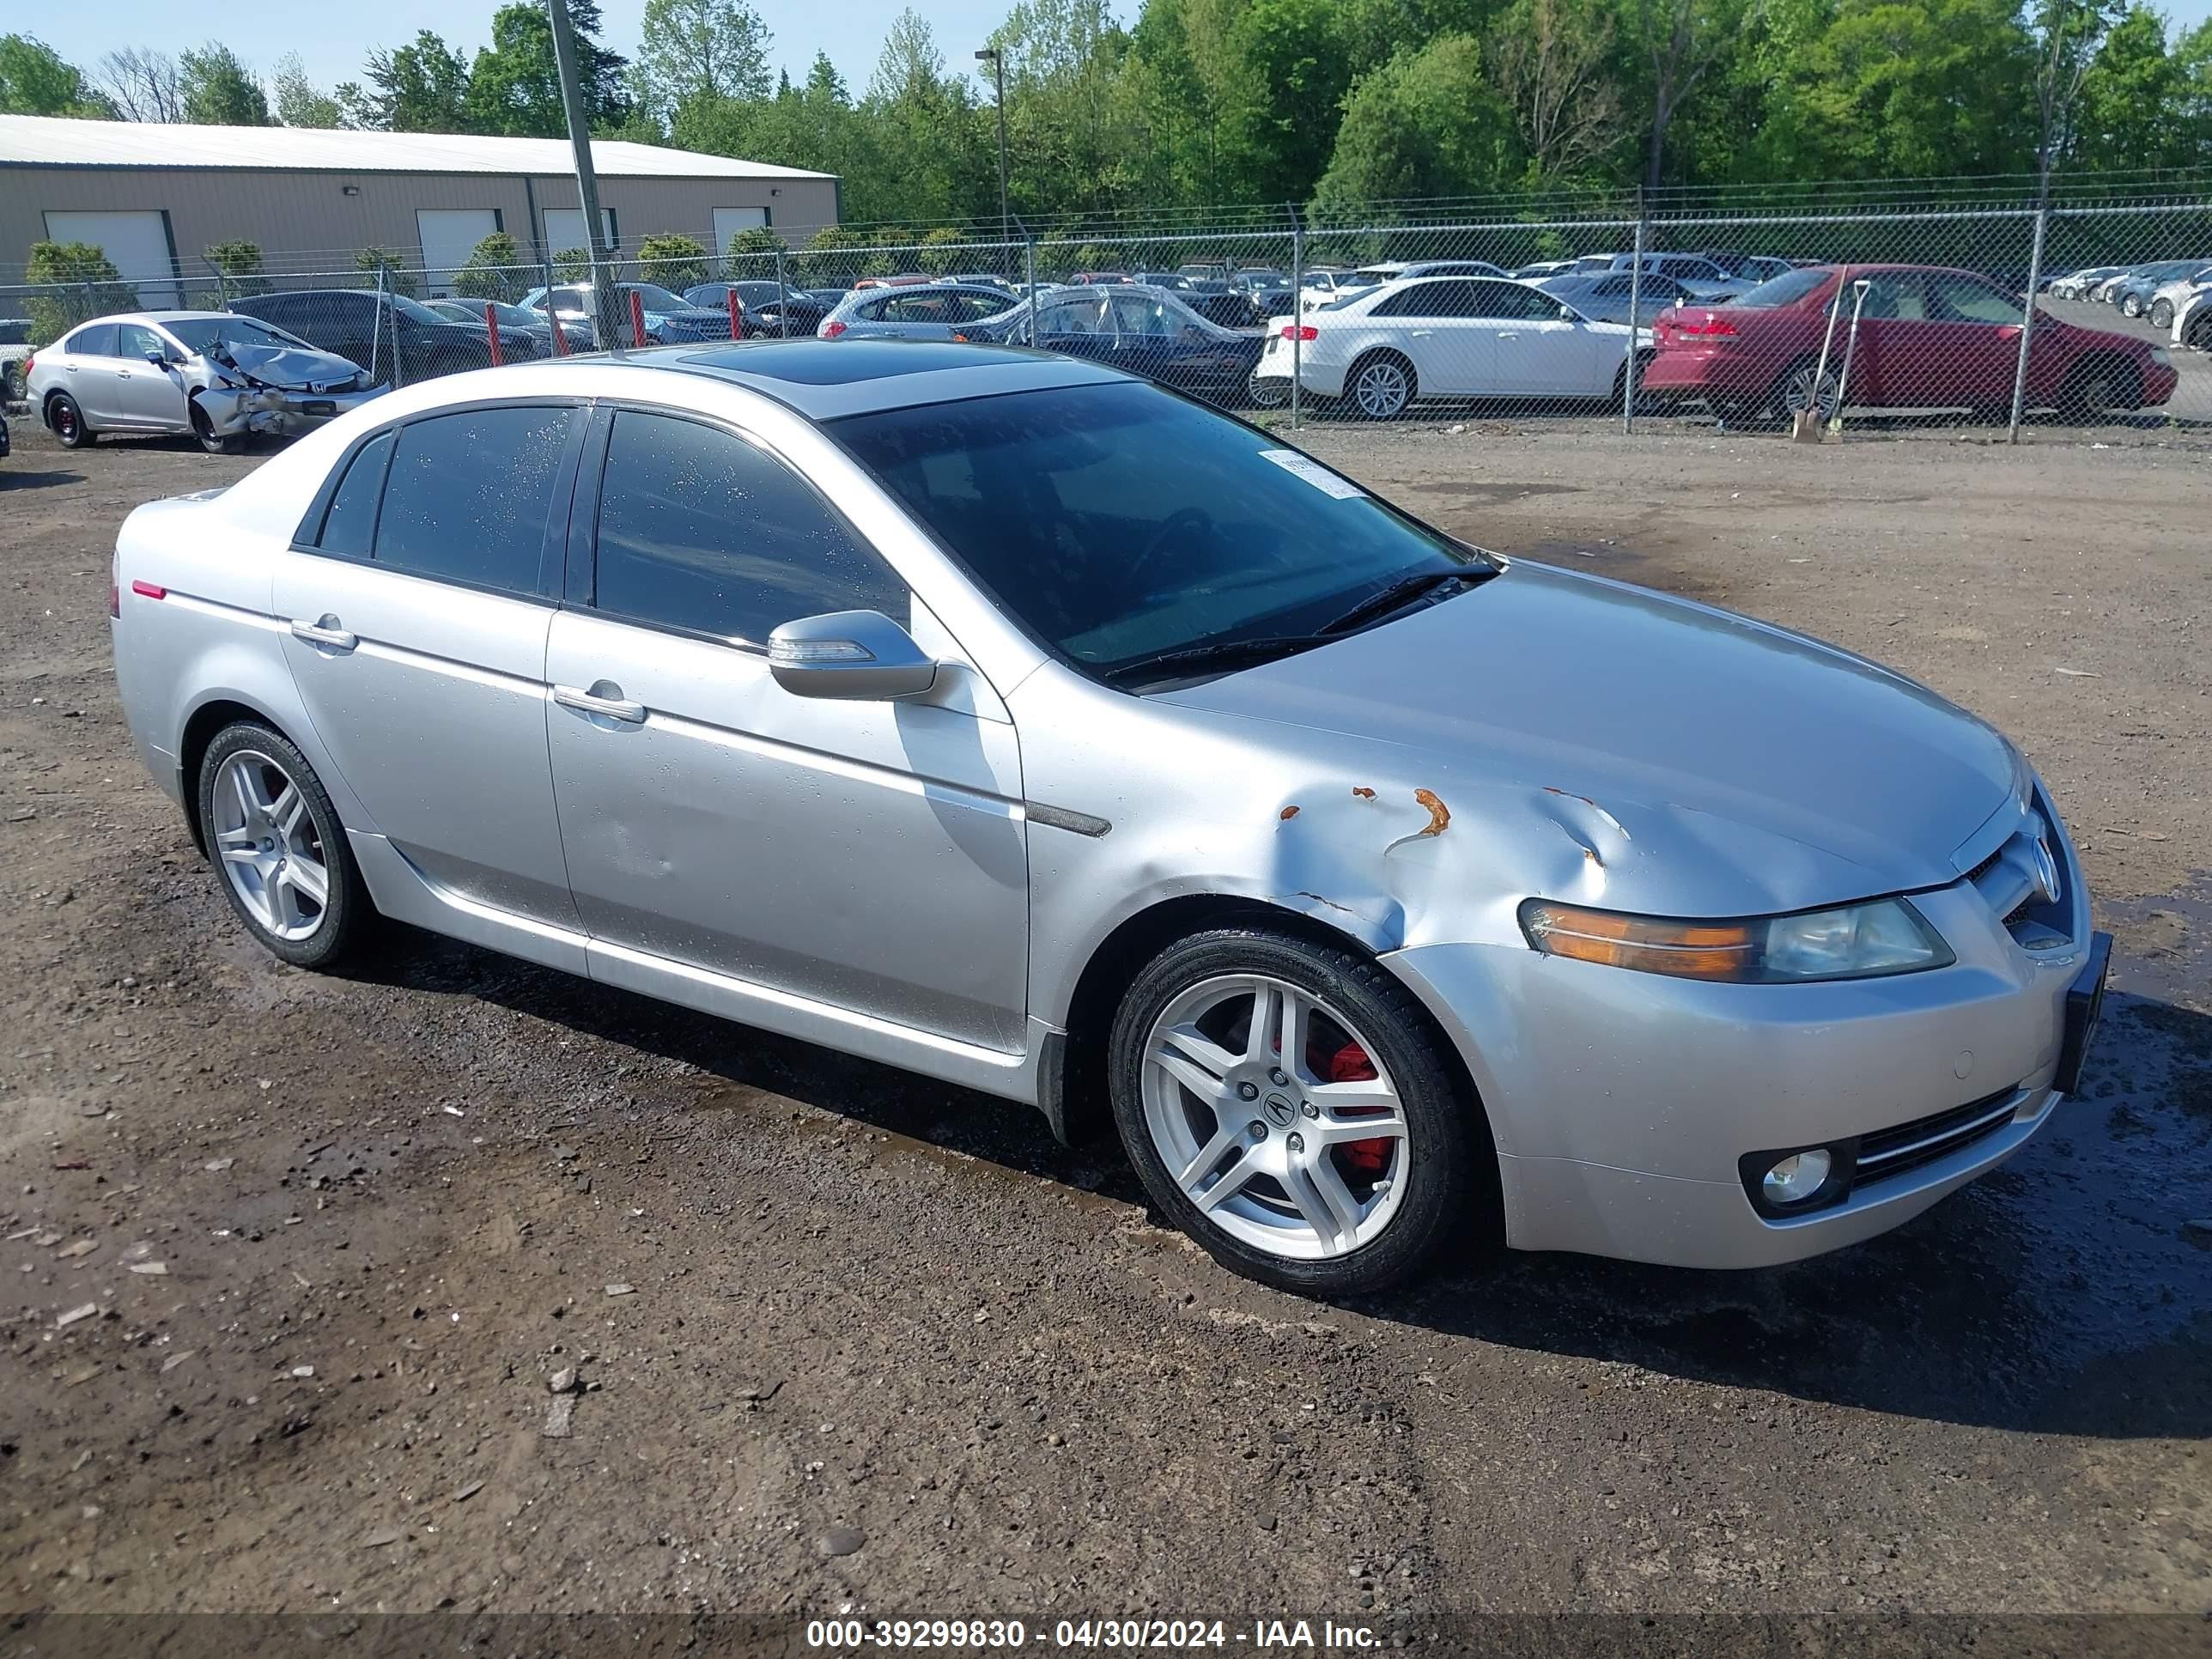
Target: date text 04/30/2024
x: 1260, y: 1635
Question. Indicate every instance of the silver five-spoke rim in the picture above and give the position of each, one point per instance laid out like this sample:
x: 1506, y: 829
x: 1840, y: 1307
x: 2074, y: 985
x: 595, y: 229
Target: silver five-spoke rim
x: 1381, y: 390
x: 1271, y: 1113
x: 265, y: 838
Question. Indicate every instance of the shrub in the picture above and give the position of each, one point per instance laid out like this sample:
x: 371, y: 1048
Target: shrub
x: 572, y: 265
x: 85, y: 282
x: 239, y: 264
x: 942, y: 252
x: 831, y: 257
x: 397, y: 279
x: 673, y: 260
x: 493, y: 271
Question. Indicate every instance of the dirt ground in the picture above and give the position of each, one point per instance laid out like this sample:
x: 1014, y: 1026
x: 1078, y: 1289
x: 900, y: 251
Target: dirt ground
x: 851, y: 1342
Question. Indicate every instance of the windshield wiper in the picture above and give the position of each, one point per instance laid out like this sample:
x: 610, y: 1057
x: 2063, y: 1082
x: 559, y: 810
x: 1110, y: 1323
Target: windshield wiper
x: 1221, y: 654
x: 1399, y: 594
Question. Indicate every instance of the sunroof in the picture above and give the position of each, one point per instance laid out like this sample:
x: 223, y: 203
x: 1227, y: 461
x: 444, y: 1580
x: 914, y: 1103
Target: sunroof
x: 841, y: 362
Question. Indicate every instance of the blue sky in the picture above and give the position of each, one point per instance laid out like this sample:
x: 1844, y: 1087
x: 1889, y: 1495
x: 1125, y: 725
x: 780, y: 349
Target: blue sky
x: 334, y: 39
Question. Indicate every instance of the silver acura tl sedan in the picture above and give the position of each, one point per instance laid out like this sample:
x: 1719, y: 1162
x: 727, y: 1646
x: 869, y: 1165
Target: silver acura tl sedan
x: 1008, y: 719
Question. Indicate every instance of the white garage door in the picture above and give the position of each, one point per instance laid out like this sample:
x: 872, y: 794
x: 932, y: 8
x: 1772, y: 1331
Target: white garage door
x: 564, y: 227
x: 728, y: 221
x: 136, y: 244
x: 449, y: 235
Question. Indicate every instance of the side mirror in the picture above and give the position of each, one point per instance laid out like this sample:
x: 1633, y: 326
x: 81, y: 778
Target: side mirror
x: 1569, y: 315
x: 858, y: 655
x: 159, y: 359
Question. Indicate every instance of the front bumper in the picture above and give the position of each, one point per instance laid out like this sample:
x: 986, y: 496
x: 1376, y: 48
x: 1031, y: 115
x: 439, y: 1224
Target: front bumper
x: 1622, y: 1103
x: 234, y: 411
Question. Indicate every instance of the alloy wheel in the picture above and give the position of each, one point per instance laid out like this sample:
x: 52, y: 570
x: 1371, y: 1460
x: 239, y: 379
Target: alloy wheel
x: 1269, y: 1110
x: 266, y: 840
x: 1381, y: 390
x: 1797, y: 392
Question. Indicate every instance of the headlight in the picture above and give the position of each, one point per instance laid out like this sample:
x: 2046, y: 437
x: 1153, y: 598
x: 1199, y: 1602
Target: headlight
x: 2161, y: 356
x: 1853, y: 941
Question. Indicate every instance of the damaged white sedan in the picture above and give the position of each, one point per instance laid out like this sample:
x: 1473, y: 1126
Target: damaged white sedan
x: 215, y: 375
x: 1006, y: 718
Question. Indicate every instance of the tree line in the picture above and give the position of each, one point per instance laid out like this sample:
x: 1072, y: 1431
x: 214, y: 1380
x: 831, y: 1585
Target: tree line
x: 1328, y: 103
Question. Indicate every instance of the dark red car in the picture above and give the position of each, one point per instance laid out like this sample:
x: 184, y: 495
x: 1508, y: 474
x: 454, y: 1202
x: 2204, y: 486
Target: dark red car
x: 1928, y: 338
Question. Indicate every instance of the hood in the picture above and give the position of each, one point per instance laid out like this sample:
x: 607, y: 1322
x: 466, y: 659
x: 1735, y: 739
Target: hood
x: 1713, y: 764
x: 294, y: 368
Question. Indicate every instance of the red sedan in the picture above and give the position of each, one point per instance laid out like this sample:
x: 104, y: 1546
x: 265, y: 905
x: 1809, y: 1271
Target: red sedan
x: 1928, y: 338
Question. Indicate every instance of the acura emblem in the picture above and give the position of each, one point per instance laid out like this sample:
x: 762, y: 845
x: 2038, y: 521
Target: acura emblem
x: 2044, y: 868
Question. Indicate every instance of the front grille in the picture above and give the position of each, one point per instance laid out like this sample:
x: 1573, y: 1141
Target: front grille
x: 1887, y: 1153
x: 2012, y: 881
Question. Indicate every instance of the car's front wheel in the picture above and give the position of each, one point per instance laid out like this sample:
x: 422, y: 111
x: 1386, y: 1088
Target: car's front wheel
x: 277, y: 841
x: 1287, y: 1105
x: 210, y: 441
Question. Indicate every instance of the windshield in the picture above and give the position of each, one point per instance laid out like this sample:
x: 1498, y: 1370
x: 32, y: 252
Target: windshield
x: 655, y: 297
x: 198, y: 334
x: 1118, y: 522
x: 415, y: 312
x: 1786, y: 290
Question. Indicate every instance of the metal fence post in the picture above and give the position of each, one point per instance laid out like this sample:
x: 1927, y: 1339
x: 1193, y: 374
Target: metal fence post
x: 1029, y: 266
x: 1635, y: 316
x: 782, y: 299
x: 2027, y: 322
x: 1298, y: 317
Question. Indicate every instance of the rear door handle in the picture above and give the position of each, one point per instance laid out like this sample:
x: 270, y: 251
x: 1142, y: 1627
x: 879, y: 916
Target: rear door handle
x: 605, y: 699
x: 326, y: 633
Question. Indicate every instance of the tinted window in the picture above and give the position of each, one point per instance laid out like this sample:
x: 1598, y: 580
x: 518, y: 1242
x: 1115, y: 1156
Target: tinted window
x: 350, y: 524
x: 1788, y: 290
x: 1439, y: 299
x: 699, y: 529
x: 98, y: 341
x: 1512, y: 302
x: 1116, y: 521
x: 468, y: 496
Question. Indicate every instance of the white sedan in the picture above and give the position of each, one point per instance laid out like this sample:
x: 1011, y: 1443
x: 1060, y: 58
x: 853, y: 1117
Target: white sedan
x: 1446, y: 336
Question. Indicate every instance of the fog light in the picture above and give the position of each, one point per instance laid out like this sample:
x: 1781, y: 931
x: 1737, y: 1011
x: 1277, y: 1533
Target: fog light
x: 1797, y: 1177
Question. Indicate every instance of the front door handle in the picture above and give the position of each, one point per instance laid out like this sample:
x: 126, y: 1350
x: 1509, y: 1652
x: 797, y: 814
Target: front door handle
x: 326, y: 632
x: 605, y: 699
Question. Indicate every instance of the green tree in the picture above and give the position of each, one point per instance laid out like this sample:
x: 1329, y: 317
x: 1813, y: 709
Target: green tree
x: 397, y: 278
x: 832, y: 257
x: 1297, y: 70
x: 2192, y: 60
x: 2130, y: 99
x: 1680, y: 41
x: 695, y: 52
x: 219, y: 90
x: 300, y: 102
x: 36, y: 80
x: 515, y: 86
x: 494, y: 271
x: 421, y: 87
x: 82, y: 282
x: 1553, y: 61
x: 943, y: 251
x: 1427, y: 123
x: 672, y: 259
x: 239, y: 264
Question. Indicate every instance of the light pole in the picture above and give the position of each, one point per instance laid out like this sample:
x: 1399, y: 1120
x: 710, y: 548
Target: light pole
x: 998, y: 59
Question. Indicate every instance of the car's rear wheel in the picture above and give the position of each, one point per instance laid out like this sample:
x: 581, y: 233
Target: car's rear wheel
x: 277, y: 841
x: 1267, y: 390
x: 2099, y: 390
x: 1809, y: 385
x: 1287, y: 1105
x: 214, y: 444
x: 2161, y: 314
x: 66, y: 422
x: 1381, y: 386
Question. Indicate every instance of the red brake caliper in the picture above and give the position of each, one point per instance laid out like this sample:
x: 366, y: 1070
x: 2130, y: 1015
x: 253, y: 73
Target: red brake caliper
x: 1367, y: 1159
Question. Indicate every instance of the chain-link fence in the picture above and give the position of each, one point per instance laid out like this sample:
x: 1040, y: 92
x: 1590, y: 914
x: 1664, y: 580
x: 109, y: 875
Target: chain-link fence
x: 1881, y: 318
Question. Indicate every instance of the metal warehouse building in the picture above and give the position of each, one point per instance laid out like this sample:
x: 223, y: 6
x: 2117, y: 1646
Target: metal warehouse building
x: 154, y: 196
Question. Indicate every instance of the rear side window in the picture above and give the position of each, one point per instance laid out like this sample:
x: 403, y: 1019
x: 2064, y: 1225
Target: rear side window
x: 98, y: 341
x: 467, y: 496
x: 349, y: 523
x: 699, y: 529
x: 1787, y: 290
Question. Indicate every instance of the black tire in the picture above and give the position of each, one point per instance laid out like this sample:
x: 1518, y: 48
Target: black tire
x: 1807, y: 369
x: 2199, y: 336
x: 2161, y: 314
x: 347, y: 912
x: 1266, y: 391
x: 1450, y: 1173
x: 66, y: 422
x: 2131, y: 305
x: 203, y: 429
x: 2098, y: 387
x: 1352, y: 402
x: 12, y: 388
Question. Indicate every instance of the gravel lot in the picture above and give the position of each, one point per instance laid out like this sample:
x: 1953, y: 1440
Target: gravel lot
x: 339, y: 1234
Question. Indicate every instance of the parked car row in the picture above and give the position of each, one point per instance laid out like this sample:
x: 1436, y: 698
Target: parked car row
x: 2156, y: 290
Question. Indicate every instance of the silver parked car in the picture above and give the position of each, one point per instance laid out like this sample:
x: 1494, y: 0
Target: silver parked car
x: 933, y: 311
x: 213, y: 373
x: 1004, y: 717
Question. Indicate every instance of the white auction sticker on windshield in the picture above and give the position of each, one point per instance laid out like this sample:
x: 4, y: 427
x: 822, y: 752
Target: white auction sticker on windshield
x: 1320, y: 478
